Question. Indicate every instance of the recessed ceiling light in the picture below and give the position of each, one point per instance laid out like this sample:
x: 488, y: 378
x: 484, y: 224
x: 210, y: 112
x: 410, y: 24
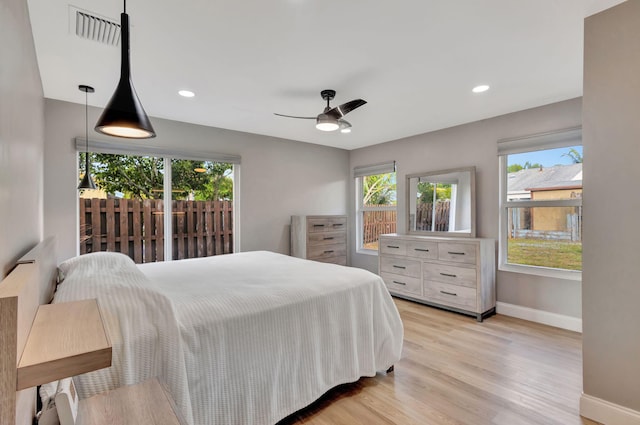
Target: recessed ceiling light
x: 480, y: 89
x: 186, y: 93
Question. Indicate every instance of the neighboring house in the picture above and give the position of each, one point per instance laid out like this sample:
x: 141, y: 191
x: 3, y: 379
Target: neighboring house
x: 546, y: 183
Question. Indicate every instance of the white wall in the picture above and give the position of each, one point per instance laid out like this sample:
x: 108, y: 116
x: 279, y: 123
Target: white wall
x: 278, y: 178
x: 474, y: 144
x: 21, y: 136
x: 611, y: 276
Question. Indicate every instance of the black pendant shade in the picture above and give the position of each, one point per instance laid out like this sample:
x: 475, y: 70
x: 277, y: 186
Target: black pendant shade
x: 87, y: 181
x: 124, y: 115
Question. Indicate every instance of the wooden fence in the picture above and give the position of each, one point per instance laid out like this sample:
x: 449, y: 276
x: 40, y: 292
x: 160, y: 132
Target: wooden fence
x: 377, y: 223
x: 136, y: 228
x: 425, y: 216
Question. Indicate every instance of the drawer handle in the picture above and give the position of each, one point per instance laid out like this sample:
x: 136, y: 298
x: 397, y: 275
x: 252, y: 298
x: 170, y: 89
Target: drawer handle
x: 328, y: 252
x: 399, y: 267
x: 318, y: 225
x: 337, y: 224
x: 328, y: 239
x: 400, y: 283
x: 448, y: 275
x: 455, y: 253
x: 449, y: 293
x: 421, y: 250
x: 393, y: 246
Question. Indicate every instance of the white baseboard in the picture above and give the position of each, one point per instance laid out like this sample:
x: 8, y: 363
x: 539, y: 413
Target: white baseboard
x: 606, y: 412
x: 540, y: 316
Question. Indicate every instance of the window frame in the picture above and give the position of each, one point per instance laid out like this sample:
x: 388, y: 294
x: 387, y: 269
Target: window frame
x: 563, y: 138
x: 167, y: 155
x: 359, y: 174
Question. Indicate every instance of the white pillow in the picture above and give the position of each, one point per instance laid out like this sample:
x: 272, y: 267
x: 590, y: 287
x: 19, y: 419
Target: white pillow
x: 95, y: 263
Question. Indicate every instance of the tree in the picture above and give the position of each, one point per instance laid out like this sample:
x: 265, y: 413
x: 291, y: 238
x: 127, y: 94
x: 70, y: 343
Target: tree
x: 425, y: 190
x: 574, y: 155
x: 142, y: 177
x: 219, y: 184
x: 513, y: 168
x: 379, y: 189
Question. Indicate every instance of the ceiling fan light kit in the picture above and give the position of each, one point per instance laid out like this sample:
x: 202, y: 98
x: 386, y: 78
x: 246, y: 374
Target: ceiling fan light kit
x: 326, y: 122
x: 124, y: 115
x: 345, y: 126
x: 331, y: 118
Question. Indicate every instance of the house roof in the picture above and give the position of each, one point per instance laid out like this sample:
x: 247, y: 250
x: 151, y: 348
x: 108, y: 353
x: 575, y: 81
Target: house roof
x: 558, y: 176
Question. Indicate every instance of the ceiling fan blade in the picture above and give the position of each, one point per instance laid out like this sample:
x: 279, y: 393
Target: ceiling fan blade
x: 291, y: 116
x: 345, y: 108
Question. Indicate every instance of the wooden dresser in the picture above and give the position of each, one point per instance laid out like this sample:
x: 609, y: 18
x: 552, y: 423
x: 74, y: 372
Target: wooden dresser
x: 320, y: 238
x: 453, y: 273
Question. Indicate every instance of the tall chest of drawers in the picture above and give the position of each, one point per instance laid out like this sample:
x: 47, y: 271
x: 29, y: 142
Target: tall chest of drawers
x: 320, y: 238
x: 453, y: 273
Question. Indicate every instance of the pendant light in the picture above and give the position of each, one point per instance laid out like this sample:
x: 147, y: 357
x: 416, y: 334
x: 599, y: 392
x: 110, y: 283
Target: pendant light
x: 124, y: 115
x: 87, y: 181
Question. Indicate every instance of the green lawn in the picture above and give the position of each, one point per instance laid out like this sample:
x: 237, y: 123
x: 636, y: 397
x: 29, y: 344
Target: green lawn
x: 545, y: 253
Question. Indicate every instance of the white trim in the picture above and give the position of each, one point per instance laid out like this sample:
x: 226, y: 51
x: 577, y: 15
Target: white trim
x: 375, y: 169
x: 575, y: 275
x: 547, y: 203
x: 168, y: 204
x: 236, y: 208
x: 541, y: 141
x: 133, y: 148
x: 540, y: 316
x: 606, y: 412
x: 366, y: 251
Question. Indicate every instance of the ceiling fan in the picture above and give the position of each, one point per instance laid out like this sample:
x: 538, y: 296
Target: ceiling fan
x: 331, y: 118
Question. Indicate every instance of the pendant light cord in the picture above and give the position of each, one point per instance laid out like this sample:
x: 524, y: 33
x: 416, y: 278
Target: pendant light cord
x: 86, y: 130
x: 125, y: 6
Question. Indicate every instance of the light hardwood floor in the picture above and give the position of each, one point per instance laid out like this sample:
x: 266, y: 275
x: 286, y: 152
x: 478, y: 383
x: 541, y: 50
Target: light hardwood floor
x: 453, y: 370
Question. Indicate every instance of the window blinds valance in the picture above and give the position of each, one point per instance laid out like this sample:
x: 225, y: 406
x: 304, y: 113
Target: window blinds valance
x: 537, y: 142
x: 372, y: 170
x: 136, y: 149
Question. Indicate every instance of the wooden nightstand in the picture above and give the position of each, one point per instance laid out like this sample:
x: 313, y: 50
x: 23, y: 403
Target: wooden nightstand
x: 147, y: 403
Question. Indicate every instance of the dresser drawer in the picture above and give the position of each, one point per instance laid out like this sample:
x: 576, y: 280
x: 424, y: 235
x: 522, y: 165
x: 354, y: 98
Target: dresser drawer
x: 326, y: 251
x: 455, y: 275
x: 457, y: 252
x: 326, y: 224
x: 404, y: 284
x: 422, y: 249
x: 342, y: 260
x: 400, y: 266
x: 451, y: 295
x: 326, y: 238
x: 393, y: 246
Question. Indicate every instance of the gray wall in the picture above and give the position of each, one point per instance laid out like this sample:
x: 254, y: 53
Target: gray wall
x: 278, y: 178
x: 475, y: 144
x: 611, y: 284
x: 21, y: 135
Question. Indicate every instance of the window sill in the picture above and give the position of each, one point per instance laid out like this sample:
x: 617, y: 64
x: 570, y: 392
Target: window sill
x: 367, y: 251
x: 542, y: 271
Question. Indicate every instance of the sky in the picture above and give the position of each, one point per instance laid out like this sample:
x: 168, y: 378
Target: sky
x: 546, y: 158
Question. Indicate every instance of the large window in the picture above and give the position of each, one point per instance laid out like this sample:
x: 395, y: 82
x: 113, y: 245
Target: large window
x: 156, y: 208
x: 376, y: 204
x: 541, y: 204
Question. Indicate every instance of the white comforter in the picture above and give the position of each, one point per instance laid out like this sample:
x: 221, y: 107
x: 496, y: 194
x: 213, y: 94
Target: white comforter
x: 244, y: 338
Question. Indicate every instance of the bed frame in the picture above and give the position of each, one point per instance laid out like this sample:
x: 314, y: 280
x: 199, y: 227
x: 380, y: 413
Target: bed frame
x: 31, y: 283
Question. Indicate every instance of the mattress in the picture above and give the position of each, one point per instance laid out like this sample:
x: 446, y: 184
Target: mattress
x: 244, y: 338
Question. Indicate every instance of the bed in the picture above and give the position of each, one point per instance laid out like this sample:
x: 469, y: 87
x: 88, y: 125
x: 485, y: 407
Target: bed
x: 245, y: 338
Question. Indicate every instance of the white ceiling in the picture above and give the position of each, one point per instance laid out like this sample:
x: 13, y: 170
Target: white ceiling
x: 413, y: 61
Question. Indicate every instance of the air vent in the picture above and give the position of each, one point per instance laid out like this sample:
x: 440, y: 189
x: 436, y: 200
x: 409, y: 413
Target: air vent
x: 92, y: 27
